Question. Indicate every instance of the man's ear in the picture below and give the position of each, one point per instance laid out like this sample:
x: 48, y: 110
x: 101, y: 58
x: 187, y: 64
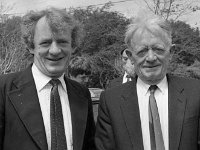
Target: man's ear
x: 172, y: 50
x: 129, y: 54
x: 31, y: 51
x: 74, y: 51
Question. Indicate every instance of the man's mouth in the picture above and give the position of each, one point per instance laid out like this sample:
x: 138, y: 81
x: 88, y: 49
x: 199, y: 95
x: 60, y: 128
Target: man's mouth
x: 152, y: 66
x: 55, y: 59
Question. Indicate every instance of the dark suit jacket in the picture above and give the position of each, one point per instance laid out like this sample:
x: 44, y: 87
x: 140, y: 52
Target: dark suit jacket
x: 21, y: 122
x: 118, y: 125
x: 115, y: 82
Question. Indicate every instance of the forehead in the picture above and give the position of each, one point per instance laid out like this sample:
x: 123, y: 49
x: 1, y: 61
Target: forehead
x: 148, y: 38
x: 43, y: 28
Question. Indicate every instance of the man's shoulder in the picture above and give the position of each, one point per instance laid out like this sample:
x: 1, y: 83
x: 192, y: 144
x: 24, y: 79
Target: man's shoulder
x: 120, y: 89
x: 117, y: 79
x: 4, y: 78
x: 115, y: 82
x: 183, y: 79
x: 185, y: 82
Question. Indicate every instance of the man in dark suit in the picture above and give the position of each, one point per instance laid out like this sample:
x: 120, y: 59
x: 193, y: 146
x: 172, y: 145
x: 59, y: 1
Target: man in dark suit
x: 41, y: 109
x: 128, y: 68
x: 155, y: 111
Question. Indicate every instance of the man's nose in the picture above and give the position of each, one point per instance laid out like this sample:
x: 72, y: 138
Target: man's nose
x: 54, y: 49
x: 151, y: 56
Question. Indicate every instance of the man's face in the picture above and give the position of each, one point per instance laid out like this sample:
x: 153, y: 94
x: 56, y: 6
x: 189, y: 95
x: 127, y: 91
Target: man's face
x: 124, y: 58
x: 81, y: 78
x: 151, y: 55
x: 129, y: 68
x: 127, y: 65
x: 52, y: 51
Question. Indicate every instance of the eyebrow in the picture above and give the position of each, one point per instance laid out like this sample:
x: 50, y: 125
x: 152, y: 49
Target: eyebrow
x: 46, y: 40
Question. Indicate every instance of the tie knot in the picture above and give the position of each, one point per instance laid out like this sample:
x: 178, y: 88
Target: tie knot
x: 54, y: 82
x: 152, y: 88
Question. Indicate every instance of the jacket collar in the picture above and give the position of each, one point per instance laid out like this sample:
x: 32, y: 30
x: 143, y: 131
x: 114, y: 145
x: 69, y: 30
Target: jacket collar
x: 25, y: 101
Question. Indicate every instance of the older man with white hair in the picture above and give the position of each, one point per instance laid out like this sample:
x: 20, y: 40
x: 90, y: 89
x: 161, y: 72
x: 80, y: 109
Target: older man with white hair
x: 155, y: 111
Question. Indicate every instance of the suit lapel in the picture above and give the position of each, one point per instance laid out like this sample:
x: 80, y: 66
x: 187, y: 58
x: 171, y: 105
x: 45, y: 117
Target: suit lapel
x: 79, y: 108
x: 130, y: 111
x: 177, y: 104
x: 26, y: 104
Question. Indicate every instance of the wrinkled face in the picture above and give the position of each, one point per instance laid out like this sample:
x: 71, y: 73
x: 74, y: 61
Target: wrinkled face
x: 128, y: 66
x: 81, y: 78
x: 151, y: 55
x: 52, y: 51
x: 124, y: 58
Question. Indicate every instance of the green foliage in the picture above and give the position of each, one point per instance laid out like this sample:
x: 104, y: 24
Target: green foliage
x: 186, y: 49
x: 103, y: 41
x: 103, y: 28
x: 186, y: 40
x: 12, y: 55
x: 103, y: 68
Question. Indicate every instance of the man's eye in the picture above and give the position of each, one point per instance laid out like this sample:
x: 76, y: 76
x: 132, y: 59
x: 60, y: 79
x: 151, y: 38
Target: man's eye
x: 62, y: 42
x: 158, y: 50
x: 142, y: 52
x: 125, y: 59
x: 46, y: 43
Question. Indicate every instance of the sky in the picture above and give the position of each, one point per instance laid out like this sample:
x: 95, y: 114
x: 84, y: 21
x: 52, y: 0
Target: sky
x: 127, y: 7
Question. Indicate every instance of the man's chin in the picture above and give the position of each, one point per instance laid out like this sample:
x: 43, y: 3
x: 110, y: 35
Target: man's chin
x: 55, y: 73
x: 152, y: 78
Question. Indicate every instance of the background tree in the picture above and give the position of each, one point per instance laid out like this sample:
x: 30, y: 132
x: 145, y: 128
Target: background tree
x: 13, y: 56
x: 103, y: 41
x: 186, y: 50
x: 172, y: 9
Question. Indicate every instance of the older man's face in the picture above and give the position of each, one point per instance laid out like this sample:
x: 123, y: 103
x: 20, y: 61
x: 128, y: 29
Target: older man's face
x: 127, y: 65
x: 151, y: 55
x: 124, y: 58
x: 52, y: 50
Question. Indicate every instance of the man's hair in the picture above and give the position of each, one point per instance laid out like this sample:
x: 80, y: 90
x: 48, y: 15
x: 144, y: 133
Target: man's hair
x: 58, y: 19
x: 154, y: 24
x: 78, y: 66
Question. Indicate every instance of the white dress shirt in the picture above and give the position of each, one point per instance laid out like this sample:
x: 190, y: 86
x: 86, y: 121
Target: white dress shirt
x: 43, y: 90
x: 161, y: 96
x: 125, y: 79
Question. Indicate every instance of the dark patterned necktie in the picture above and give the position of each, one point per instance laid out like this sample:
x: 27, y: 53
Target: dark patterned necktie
x: 156, y: 137
x: 58, y: 139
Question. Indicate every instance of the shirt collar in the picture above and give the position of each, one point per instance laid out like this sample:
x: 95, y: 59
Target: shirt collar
x: 41, y: 80
x: 125, y: 74
x: 161, y: 85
